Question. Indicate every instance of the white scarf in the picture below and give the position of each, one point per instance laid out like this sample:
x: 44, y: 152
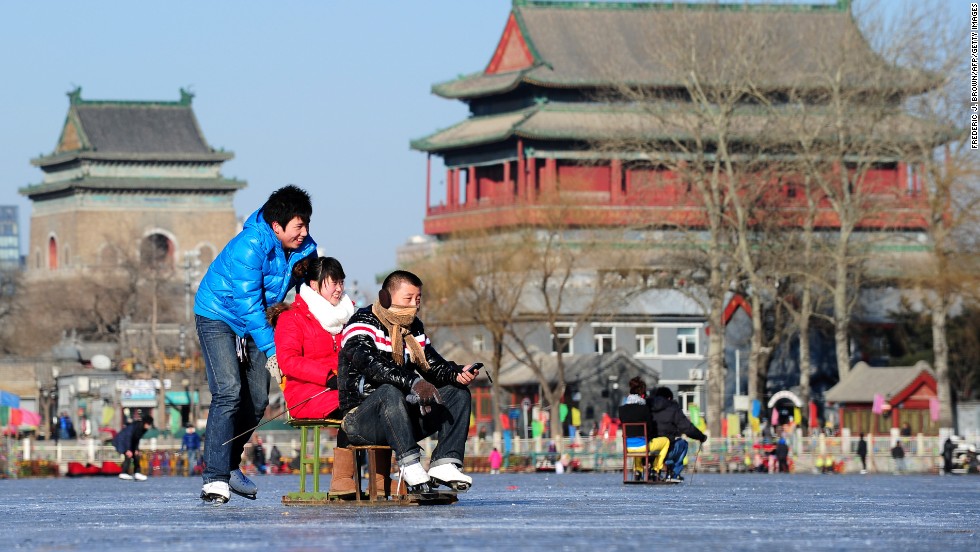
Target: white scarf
x: 332, y: 318
x: 634, y: 399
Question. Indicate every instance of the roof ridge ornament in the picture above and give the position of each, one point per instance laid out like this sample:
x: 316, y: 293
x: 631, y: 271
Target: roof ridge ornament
x: 75, y: 96
x: 186, y: 96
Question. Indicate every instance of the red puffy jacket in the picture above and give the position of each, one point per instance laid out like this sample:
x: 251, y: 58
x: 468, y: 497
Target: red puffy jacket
x: 307, y: 356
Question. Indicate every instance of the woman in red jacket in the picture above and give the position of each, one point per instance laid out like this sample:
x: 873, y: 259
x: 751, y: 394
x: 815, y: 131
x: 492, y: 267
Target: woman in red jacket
x: 307, y: 336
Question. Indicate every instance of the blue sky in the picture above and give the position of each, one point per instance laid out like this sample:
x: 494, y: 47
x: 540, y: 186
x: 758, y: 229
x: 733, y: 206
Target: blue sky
x: 325, y: 95
x: 322, y: 94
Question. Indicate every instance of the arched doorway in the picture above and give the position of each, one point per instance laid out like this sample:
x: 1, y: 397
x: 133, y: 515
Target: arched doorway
x: 156, y: 253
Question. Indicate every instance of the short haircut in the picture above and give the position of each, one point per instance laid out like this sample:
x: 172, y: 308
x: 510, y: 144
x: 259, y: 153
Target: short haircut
x: 395, y: 279
x: 319, y: 269
x: 664, y: 392
x: 638, y: 386
x: 287, y: 203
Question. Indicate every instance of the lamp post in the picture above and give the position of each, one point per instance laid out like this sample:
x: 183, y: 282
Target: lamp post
x: 191, y: 263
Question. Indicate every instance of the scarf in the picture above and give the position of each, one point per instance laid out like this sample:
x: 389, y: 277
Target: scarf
x: 397, y: 321
x: 634, y: 399
x: 331, y: 317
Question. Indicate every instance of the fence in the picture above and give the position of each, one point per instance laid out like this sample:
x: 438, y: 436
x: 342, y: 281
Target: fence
x: 580, y: 453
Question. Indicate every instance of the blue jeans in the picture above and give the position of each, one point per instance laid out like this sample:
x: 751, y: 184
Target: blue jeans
x: 192, y: 461
x: 239, y: 396
x: 675, y: 457
x: 384, y: 418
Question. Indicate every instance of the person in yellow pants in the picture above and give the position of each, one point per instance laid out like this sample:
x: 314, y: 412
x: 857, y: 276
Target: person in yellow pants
x: 636, y: 410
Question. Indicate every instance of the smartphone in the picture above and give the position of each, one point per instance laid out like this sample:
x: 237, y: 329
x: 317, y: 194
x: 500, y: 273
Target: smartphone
x: 479, y: 366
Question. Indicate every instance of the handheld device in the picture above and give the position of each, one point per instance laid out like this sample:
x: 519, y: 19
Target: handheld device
x: 479, y: 366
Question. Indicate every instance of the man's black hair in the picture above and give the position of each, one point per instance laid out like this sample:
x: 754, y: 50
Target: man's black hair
x: 664, y: 392
x: 397, y: 277
x: 287, y: 203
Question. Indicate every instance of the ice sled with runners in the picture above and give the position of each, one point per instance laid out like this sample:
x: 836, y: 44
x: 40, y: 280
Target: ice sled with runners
x: 392, y: 492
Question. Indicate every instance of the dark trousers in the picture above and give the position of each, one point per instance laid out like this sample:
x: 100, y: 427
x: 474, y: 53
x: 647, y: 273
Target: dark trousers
x: 133, y: 461
x: 385, y: 418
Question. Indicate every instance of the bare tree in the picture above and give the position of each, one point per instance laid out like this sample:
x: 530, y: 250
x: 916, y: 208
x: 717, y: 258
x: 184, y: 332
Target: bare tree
x: 477, y: 280
x: 946, y: 174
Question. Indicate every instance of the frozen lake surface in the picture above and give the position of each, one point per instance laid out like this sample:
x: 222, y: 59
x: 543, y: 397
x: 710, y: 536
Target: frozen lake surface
x: 520, y: 511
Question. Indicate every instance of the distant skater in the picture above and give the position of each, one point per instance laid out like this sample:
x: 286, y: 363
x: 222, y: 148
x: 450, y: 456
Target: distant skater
x: 862, y: 452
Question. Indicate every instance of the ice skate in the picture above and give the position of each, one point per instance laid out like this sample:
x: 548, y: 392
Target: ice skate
x: 415, y: 479
x: 139, y: 477
x: 242, y: 485
x: 449, y: 475
x: 215, y: 492
x: 125, y: 477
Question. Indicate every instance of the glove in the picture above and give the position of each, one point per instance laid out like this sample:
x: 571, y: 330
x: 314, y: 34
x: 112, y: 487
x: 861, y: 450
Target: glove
x: 424, y: 394
x: 272, y: 365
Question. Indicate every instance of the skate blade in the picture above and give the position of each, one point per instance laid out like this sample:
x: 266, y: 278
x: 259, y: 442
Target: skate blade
x: 214, y: 499
x: 248, y: 496
x: 458, y: 486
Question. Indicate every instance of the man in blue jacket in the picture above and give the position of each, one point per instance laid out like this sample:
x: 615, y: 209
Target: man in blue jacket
x: 254, y: 271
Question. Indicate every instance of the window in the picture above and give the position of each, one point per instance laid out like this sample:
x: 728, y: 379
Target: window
x: 687, y: 341
x: 687, y: 395
x: 646, y: 341
x: 479, y: 343
x: 603, y: 336
x: 562, y: 339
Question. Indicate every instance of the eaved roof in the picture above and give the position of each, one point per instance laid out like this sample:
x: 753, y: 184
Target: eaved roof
x: 131, y: 131
x: 864, y: 381
x: 560, y: 44
x: 666, y: 121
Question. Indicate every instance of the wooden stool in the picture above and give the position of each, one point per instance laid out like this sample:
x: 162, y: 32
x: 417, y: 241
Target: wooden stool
x: 371, y: 451
x: 309, y: 461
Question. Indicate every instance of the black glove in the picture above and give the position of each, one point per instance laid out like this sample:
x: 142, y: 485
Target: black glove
x: 424, y: 394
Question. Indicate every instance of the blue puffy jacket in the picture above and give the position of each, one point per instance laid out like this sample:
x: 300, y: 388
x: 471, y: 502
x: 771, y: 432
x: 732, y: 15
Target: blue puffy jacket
x: 250, y: 274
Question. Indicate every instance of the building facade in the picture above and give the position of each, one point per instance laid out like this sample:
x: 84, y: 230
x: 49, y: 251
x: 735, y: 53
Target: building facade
x: 548, y: 130
x: 9, y: 238
x: 128, y: 180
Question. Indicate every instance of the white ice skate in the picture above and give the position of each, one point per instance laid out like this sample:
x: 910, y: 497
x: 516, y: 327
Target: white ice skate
x: 125, y: 477
x: 139, y: 477
x: 449, y: 475
x: 415, y: 479
x: 215, y: 492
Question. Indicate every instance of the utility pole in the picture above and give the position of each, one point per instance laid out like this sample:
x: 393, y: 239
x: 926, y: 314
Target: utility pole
x: 191, y: 264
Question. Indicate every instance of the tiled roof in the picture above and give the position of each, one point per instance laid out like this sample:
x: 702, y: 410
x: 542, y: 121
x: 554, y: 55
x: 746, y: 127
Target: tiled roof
x: 650, y: 44
x: 132, y: 130
x: 863, y: 381
x: 671, y: 121
x: 135, y: 184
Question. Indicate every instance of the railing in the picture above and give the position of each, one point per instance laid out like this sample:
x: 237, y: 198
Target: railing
x: 922, y: 453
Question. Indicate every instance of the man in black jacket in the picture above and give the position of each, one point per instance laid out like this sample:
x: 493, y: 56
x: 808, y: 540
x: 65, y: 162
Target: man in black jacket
x: 395, y: 389
x: 672, y: 423
x: 127, y: 443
